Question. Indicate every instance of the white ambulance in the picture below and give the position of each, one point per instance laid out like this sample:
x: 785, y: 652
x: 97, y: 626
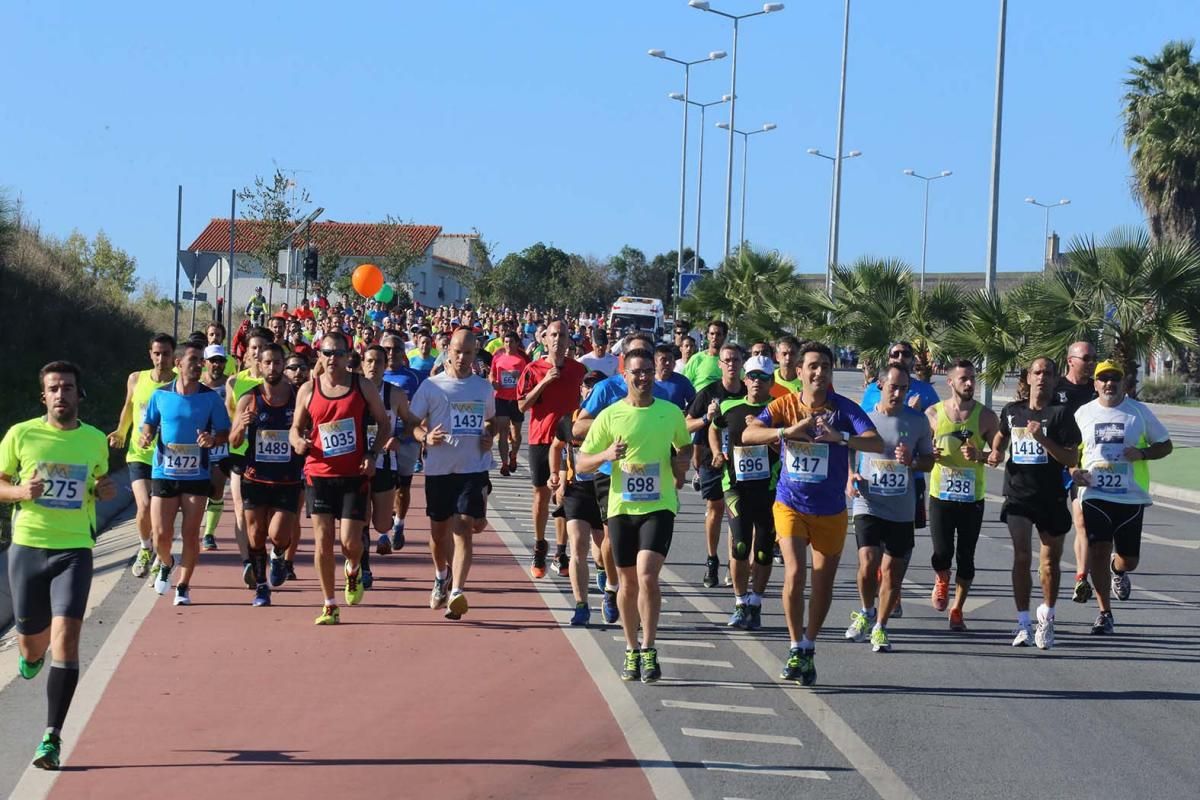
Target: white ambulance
x: 638, y: 313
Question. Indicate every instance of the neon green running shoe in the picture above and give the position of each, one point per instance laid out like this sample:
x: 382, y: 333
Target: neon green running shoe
x: 860, y: 627
x: 329, y: 616
x: 48, y: 752
x: 879, y: 641
x: 354, y: 587
x: 29, y: 670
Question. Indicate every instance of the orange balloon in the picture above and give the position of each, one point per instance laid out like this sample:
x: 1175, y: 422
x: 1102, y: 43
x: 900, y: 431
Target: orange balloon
x: 367, y: 279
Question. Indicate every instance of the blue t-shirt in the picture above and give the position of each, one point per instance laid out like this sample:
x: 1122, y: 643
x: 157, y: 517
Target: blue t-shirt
x: 407, y: 381
x: 178, y: 417
x: 422, y: 365
x: 609, y: 391
x: 679, y: 390
x: 916, y: 388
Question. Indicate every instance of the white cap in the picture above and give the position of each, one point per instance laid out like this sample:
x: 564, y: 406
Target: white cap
x: 759, y: 364
x: 214, y: 351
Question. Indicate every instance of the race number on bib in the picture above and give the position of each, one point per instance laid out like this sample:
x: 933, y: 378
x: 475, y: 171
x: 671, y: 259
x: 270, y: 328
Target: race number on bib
x: 887, y: 478
x: 64, y: 485
x: 750, y: 463
x: 182, y: 462
x: 466, y: 418
x: 1111, y: 478
x: 338, y: 437
x: 372, y: 432
x: 957, y: 485
x: 218, y: 453
x: 272, y: 447
x: 1025, y: 449
x: 640, y: 483
x: 508, y: 378
x: 807, y: 462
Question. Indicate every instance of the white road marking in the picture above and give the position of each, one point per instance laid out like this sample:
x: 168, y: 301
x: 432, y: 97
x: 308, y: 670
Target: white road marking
x: 688, y: 705
x: 1185, y: 544
x: 703, y: 682
x: 674, y: 642
x: 753, y: 769
x: 741, y: 736
x: 696, y: 662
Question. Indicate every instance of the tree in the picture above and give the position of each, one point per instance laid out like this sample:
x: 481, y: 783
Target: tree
x: 589, y: 285
x: 1162, y: 134
x: 628, y: 266
x: 533, y: 277
x: 273, y: 202
x: 112, y: 265
x: 400, y: 257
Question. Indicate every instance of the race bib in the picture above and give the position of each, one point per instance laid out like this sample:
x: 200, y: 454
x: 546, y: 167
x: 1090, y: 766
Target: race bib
x: 508, y: 378
x: 1111, y: 478
x: 338, y: 437
x: 1024, y: 449
x: 807, y: 462
x: 182, y: 462
x: 64, y: 485
x: 372, y: 432
x: 957, y: 485
x: 887, y: 478
x: 272, y: 447
x: 640, y: 483
x: 466, y: 418
x: 218, y: 453
x: 751, y: 463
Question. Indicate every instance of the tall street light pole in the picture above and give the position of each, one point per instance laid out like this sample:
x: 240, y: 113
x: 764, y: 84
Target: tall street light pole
x: 687, y: 73
x: 768, y: 8
x: 834, y: 202
x: 699, y: 169
x: 770, y: 126
x: 989, y: 281
x: 1046, y: 235
x: 836, y: 213
x: 925, y: 220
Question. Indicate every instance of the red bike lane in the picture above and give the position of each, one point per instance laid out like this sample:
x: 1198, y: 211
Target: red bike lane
x: 222, y: 699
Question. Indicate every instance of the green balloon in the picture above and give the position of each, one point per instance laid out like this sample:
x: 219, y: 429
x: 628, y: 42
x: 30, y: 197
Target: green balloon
x: 385, y: 293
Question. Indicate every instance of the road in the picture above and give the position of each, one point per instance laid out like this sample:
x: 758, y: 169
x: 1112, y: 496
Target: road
x: 943, y: 715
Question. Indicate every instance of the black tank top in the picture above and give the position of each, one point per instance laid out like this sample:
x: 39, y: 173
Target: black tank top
x: 270, y: 458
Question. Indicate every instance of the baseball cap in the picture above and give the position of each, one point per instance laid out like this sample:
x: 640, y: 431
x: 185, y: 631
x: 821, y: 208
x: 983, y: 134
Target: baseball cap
x: 599, y: 336
x: 1109, y: 366
x: 214, y: 351
x: 760, y: 364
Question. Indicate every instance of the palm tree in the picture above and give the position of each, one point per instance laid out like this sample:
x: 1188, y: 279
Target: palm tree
x: 1162, y: 134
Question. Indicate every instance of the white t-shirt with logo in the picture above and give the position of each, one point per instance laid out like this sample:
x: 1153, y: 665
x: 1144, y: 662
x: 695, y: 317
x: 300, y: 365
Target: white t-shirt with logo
x: 606, y: 363
x: 462, y: 407
x: 1106, y: 433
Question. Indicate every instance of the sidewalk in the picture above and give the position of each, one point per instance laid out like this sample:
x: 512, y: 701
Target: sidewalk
x: 221, y: 699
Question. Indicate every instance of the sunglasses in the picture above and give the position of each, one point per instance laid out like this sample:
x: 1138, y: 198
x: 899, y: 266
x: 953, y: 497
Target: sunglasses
x: 1109, y: 378
x: 333, y: 353
x: 901, y: 354
x: 294, y: 367
x: 1087, y: 359
x: 731, y: 361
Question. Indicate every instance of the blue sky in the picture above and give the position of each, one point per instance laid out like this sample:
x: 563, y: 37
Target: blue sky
x: 538, y: 120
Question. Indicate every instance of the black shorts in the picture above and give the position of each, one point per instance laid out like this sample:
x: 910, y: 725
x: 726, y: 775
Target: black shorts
x: 139, y: 471
x: 751, y: 524
x: 601, y: 484
x: 896, y: 538
x: 166, y: 487
x: 509, y: 409
x: 234, y: 463
x: 466, y: 494
x: 279, y: 496
x: 48, y: 583
x: 539, y: 464
x: 632, y: 533
x: 711, y: 483
x: 1119, y: 523
x: 579, y: 503
x: 344, y: 498
x: 1049, y: 515
x: 384, y: 480
x: 920, y: 518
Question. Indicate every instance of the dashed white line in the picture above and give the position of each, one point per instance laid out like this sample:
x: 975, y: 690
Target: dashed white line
x: 754, y: 769
x: 741, y: 736
x: 704, y: 682
x: 688, y: 705
x: 696, y: 662
x: 674, y: 642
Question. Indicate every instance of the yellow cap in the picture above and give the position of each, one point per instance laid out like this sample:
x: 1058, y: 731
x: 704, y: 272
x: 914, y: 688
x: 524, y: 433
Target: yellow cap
x: 1109, y: 366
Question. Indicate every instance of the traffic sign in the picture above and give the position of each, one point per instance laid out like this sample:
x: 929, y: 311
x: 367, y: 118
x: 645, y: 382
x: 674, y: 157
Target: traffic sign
x: 687, y: 280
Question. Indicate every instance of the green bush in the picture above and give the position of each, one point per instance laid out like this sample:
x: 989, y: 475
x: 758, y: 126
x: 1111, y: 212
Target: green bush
x: 1169, y: 389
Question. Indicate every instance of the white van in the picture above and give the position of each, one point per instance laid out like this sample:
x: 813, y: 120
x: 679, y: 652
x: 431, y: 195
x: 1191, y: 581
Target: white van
x: 638, y: 313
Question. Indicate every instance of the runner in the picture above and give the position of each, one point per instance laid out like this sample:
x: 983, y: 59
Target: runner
x: 817, y: 427
x: 455, y: 411
x: 1120, y: 435
x: 297, y: 372
x: 271, y: 479
x: 329, y: 428
x: 705, y: 368
x: 668, y: 384
x: 549, y: 390
x: 183, y: 421
x: 1044, y: 440
x: 54, y: 468
x: 961, y: 428
x: 242, y: 382
x: 636, y: 435
x: 750, y: 473
x: 703, y: 409
x: 885, y: 506
x: 1074, y: 390
x: 508, y: 363
x: 257, y: 308
x: 138, y: 389
x: 600, y: 359
x: 407, y: 450
x: 787, y: 376
x: 214, y: 377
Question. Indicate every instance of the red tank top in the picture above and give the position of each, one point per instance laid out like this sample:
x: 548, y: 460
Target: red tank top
x: 339, y: 433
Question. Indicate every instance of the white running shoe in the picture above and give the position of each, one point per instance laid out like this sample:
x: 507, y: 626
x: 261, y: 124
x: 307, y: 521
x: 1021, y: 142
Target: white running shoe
x: 183, y: 596
x: 1043, y: 636
x: 1022, y: 636
x: 162, y: 578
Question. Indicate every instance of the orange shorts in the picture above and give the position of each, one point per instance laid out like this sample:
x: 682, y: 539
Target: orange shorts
x: 825, y: 532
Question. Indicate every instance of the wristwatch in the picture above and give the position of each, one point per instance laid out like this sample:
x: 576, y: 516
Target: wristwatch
x: 845, y: 437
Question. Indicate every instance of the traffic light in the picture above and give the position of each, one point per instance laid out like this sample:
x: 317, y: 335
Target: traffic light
x: 310, y: 264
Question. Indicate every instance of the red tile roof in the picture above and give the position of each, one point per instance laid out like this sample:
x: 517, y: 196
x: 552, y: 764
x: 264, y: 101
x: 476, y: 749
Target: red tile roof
x: 344, y: 238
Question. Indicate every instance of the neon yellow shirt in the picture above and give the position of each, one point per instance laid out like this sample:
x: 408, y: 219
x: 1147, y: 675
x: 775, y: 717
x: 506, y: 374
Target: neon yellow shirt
x: 142, y: 390
x: 643, y: 482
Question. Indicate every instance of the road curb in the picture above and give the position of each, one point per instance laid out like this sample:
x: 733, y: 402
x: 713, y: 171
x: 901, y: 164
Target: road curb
x: 1174, y: 493
x: 106, y: 512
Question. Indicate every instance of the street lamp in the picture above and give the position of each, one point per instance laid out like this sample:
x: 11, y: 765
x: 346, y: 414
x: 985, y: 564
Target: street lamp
x: 925, y: 222
x: 1046, y: 236
x: 770, y: 126
x: 834, y: 210
x: 835, y: 214
x: 699, y: 168
x: 989, y: 276
x: 687, y: 72
x: 768, y: 8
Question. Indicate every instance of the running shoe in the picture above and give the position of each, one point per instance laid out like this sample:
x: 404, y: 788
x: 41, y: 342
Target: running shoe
x: 419, y: 466
x: 457, y: 607
x: 612, y: 612
x: 504, y: 470
x: 329, y: 616
x: 755, y: 618
x: 437, y: 598
x: 183, y: 596
x: 398, y: 534
x: 29, y: 669
x: 1022, y: 636
x: 860, y: 627
x: 291, y: 570
x: 740, y: 617
x: 1120, y: 584
x: 1103, y: 626
x: 696, y: 483
x: 631, y: 670
x: 562, y: 561
x: 262, y: 596
x: 538, y: 570
x: 141, y: 564
x: 48, y: 752
x: 512, y: 462
x: 162, y: 577
x: 651, y: 672
x: 941, y: 592
x: 1043, y: 634
x: 368, y: 578
x: 601, y: 579
x: 800, y: 666
x: 1083, y: 590
x: 210, y: 542
x: 582, y: 615
x: 711, y: 565
x: 278, y: 572
x: 384, y: 548
x: 879, y: 640
x: 777, y: 557
x: 956, y: 620
x: 354, y: 587
x: 728, y: 581
x: 898, y: 611
x: 248, y: 574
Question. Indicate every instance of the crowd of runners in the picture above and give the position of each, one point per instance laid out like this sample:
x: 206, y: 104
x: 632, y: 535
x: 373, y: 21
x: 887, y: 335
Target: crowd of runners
x: 327, y: 412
